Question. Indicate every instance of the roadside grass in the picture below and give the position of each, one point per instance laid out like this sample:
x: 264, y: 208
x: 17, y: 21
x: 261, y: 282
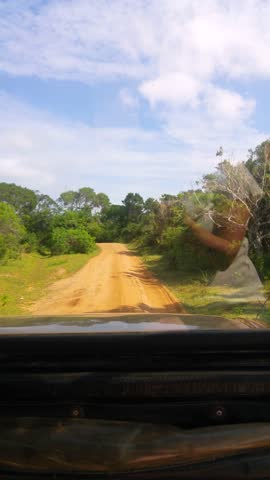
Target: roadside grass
x: 24, y: 280
x: 193, y: 292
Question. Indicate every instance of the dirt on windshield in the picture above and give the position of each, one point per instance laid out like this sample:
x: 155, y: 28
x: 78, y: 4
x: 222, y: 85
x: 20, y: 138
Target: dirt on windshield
x: 114, y: 281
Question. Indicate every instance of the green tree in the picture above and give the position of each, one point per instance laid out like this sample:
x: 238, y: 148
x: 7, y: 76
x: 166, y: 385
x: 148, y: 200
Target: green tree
x: 69, y: 219
x: 114, y: 219
x: 257, y: 163
x: 134, y: 205
x: 11, y: 232
x: 22, y: 199
x: 39, y: 224
x: 46, y: 203
x: 72, y: 240
x: 259, y: 225
x: 84, y: 198
x: 102, y: 202
x: 68, y: 200
x: 151, y: 206
x: 150, y: 224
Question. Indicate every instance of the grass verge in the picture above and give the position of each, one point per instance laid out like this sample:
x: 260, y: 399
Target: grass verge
x: 25, y: 280
x: 193, y: 291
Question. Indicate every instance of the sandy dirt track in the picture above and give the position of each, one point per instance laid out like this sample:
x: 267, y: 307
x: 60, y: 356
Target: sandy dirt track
x: 114, y: 281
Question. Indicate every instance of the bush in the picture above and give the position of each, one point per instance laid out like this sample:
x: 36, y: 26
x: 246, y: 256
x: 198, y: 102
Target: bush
x: 186, y: 253
x: 73, y: 240
x: 170, y: 238
x: 131, y: 231
x: 11, y: 232
x: 30, y: 242
x: 97, y: 231
x: 261, y: 261
x: 3, y: 247
x: 80, y: 241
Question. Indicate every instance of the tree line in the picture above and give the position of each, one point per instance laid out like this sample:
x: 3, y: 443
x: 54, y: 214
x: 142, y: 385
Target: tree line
x: 31, y: 221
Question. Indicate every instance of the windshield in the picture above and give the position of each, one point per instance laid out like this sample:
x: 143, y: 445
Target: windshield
x: 134, y: 164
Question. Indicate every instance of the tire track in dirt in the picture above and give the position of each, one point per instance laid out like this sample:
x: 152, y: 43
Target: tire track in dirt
x: 115, y: 281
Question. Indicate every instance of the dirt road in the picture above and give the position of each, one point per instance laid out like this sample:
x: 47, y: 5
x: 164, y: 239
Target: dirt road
x: 114, y: 281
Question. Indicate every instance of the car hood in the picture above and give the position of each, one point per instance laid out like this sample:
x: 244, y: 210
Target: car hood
x: 110, y: 324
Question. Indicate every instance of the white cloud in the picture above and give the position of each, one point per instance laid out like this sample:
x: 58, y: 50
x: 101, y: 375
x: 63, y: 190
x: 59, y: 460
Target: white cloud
x: 128, y: 99
x: 71, y: 39
x: 176, y: 52
x: 228, y: 105
x: 203, y: 133
x: 173, y: 89
x: 43, y: 152
x: 16, y: 168
x: 174, y: 49
x: 144, y: 39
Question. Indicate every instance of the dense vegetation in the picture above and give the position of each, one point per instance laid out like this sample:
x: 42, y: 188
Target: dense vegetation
x: 33, y: 222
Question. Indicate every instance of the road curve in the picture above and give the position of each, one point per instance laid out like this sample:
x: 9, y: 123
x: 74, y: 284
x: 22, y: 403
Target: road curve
x: 115, y: 281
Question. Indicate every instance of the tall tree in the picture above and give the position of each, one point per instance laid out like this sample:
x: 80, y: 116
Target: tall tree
x: 102, y: 202
x: 11, y: 232
x: 86, y: 198
x: 258, y: 164
x: 22, y: 199
x: 68, y: 200
x: 134, y: 206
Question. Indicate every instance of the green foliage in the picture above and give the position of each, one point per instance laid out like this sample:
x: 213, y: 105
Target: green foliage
x: 184, y: 252
x: 11, y: 232
x: 114, y: 219
x: 259, y: 232
x: 171, y: 237
x: 98, y: 231
x: 3, y: 247
x: 22, y: 199
x: 68, y: 200
x: 131, y: 232
x: 83, y: 199
x: 256, y: 162
x: 134, y: 206
x: 68, y: 219
x: 30, y: 242
x: 71, y: 240
x: 102, y: 201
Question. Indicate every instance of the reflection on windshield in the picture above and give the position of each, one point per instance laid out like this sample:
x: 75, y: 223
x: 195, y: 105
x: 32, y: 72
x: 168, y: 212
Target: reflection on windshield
x: 108, y: 327
x: 202, y: 251
x: 222, y: 225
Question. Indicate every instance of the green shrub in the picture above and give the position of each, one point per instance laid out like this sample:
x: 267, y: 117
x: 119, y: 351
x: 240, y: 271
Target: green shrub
x: 80, y: 241
x: 185, y: 253
x: 3, y: 247
x: 11, y: 232
x: 97, y: 231
x: 73, y: 240
x: 30, y: 242
x: 131, y: 231
x: 261, y: 261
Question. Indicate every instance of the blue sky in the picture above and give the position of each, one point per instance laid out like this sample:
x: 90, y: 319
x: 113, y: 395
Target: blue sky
x: 129, y: 95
